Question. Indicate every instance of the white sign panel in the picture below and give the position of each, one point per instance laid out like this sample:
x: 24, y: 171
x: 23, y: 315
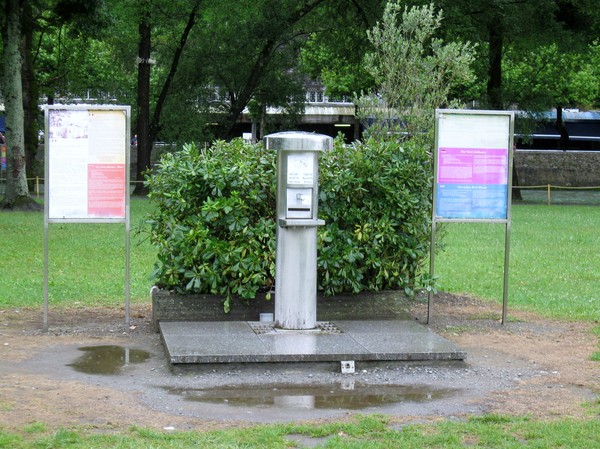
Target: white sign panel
x: 87, y: 163
x: 300, y: 168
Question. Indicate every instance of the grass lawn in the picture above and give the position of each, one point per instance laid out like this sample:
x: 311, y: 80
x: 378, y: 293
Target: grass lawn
x: 554, y: 265
x: 86, y: 261
x: 554, y: 261
x: 362, y: 432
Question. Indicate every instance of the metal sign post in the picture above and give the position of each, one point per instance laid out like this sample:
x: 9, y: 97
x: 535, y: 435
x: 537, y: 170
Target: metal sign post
x: 87, y: 173
x: 473, y: 175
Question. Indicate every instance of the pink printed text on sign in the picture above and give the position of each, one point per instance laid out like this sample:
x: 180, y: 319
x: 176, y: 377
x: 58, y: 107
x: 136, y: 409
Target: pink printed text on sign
x: 106, y: 190
x: 472, y: 166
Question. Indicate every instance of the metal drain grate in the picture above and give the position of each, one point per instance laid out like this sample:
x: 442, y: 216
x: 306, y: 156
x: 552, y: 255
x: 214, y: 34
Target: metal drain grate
x: 262, y: 327
x: 329, y: 327
x: 325, y: 327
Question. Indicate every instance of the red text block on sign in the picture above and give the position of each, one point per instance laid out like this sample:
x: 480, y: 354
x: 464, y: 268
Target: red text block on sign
x: 106, y: 190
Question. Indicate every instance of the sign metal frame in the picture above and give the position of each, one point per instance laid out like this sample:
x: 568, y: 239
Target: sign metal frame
x: 473, y: 161
x: 87, y: 156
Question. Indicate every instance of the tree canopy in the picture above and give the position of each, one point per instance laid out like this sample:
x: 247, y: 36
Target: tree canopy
x: 193, y: 67
x: 414, y: 71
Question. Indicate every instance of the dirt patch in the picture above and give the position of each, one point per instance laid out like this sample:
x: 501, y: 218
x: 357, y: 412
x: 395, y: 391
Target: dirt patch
x: 558, y: 352
x: 530, y: 366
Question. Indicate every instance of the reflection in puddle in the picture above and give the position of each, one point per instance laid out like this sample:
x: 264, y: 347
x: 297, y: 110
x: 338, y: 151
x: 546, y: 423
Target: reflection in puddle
x: 107, y: 359
x: 347, y: 395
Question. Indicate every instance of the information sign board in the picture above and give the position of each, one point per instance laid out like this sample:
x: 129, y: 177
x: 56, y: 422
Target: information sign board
x: 472, y: 175
x: 472, y: 165
x: 87, y: 159
x: 86, y: 173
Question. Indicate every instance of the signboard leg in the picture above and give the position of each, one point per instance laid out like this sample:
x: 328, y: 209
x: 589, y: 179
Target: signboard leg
x: 506, y: 260
x: 127, y: 286
x: 431, y: 270
x: 45, y: 313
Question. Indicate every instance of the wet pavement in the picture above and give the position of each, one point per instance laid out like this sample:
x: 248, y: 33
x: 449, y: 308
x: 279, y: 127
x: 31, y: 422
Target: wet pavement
x: 331, y: 341
x: 267, y: 392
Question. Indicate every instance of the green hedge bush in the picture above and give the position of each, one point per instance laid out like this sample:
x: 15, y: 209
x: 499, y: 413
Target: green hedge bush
x: 213, y: 223
x: 375, y: 198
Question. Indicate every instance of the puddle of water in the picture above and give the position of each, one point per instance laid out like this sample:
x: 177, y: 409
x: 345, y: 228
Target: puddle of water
x: 347, y: 395
x: 107, y: 360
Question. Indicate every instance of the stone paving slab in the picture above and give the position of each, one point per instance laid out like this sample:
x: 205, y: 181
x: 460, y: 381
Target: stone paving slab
x: 196, y: 342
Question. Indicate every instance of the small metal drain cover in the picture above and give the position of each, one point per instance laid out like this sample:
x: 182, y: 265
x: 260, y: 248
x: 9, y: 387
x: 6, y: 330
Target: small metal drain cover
x: 261, y: 327
x: 324, y: 327
x: 329, y: 327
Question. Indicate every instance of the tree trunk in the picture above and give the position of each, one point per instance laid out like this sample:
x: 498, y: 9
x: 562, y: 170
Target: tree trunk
x: 144, y: 142
x: 30, y: 98
x: 17, y: 194
x: 261, y: 63
x: 155, y: 124
x: 563, y: 142
x: 494, y: 85
x: 146, y: 127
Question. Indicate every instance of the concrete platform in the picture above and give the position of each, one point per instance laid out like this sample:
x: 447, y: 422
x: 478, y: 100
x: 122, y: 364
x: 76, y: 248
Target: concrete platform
x: 332, y: 341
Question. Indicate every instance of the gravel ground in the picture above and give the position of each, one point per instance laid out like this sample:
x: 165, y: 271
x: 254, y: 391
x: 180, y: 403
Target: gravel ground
x: 531, y: 366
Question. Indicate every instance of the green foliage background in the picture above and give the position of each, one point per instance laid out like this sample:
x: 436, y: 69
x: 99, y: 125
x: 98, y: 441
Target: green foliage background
x: 375, y: 198
x: 214, y: 222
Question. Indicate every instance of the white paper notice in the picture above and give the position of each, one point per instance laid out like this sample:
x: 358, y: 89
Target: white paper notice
x: 107, y: 136
x: 68, y: 160
x: 471, y: 131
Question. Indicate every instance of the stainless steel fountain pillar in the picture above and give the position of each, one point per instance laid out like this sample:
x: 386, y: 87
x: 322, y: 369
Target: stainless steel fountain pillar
x: 297, y: 201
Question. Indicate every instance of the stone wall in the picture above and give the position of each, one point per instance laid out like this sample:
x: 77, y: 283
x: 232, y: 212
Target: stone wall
x: 384, y: 305
x: 558, y: 168
x: 167, y: 306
